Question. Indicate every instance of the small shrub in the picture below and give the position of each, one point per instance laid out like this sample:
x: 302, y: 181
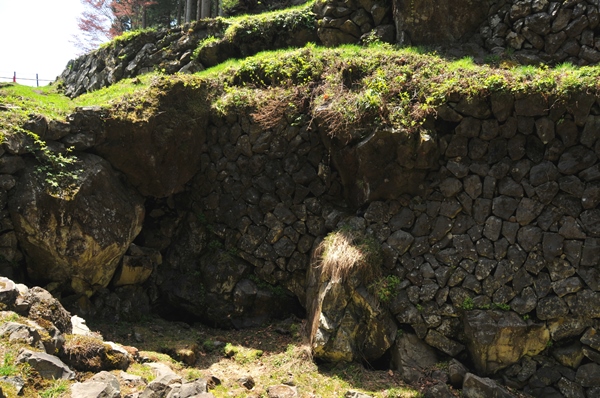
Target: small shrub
x: 386, y: 288
x: 61, y: 172
x: 208, y: 346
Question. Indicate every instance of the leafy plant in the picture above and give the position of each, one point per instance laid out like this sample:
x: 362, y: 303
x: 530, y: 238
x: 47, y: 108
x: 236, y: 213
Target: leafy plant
x: 61, y: 172
x: 386, y: 288
x: 208, y: 345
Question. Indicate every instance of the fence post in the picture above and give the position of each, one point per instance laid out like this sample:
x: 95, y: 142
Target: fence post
x: 14, y: 77
x: 37, y: 82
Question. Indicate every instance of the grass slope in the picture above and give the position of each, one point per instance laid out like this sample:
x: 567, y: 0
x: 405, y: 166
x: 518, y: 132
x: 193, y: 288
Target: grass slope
x: 377, y: 86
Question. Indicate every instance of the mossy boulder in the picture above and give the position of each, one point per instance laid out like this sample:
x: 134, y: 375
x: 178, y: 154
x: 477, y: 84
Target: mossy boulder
x: 78, y: 237
x: 88, y: 353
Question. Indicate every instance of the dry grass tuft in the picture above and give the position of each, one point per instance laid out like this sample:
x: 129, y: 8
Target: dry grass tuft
x: 276, y: 104
x: 347, y: 251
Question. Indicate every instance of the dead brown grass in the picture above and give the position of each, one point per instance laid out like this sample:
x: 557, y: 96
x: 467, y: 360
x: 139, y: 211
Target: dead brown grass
x: 276, y: 104
x: 347, y: 251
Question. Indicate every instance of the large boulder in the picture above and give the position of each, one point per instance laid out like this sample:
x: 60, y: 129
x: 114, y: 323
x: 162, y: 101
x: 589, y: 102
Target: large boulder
x: 347, y: 322
x: 77, y: 237
x: 384, y: 165
x: 159, y: 156
x: 89, y: 353
x: 438, y: 21
x: 497, y: 339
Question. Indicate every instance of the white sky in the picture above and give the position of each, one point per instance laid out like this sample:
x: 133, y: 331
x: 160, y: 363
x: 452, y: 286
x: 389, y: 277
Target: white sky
x: 35, y: 37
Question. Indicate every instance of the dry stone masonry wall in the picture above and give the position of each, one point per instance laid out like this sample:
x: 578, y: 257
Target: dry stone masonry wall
x: 545, y: 31
x: 496, y: 251
x: 531, y: 31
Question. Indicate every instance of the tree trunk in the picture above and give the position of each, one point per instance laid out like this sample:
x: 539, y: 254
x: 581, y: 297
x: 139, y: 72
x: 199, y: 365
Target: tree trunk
x: 205, y: 13
x: 144, y: 17
x: 198, y: 10
x: 179, y: 3
x: 188, y: 11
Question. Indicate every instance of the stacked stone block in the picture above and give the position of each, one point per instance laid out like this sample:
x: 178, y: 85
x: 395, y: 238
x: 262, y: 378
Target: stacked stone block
x: 545, y: 31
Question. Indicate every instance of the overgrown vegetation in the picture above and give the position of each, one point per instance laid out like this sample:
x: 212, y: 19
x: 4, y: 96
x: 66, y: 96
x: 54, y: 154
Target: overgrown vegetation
x: 60, y: 171
x: 345, y: 88
x: 248, y: 30
x: 127, y: 36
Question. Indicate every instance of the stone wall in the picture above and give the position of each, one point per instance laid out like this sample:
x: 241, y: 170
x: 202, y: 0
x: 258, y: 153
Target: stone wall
x: 531, y: 31
x: 542, y: 31
x: 496, y: 244
x: 176, y: 50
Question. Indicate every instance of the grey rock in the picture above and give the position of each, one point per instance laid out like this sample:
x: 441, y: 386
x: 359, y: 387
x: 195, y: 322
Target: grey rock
x: 551, y: 307
x: 450, y: 187
x: 401, y: 241
x: 528, y: 210
x: 576, y: 159
x: 588, y: 375
x: 542, y: 173
x: 48, y: 366
x: 477, y: 387
x: 410, y: 351
x: 443, y: 343
x: 570, y: 389
x: 101, y: 385
x: 504, y: 206
x: 282, y: 391
x: 590, y: 220
x: 438, y: 390
x: 591, y: 338
x: 525, y: 302
x: 569, y: 355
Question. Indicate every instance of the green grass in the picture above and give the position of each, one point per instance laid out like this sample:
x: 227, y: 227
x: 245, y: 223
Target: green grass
x: 240, y: 354
x: 8, y: 367
x: 346, y: 87
x: 56, y: 389
x: 126, y: 36
x: 252, y: 25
